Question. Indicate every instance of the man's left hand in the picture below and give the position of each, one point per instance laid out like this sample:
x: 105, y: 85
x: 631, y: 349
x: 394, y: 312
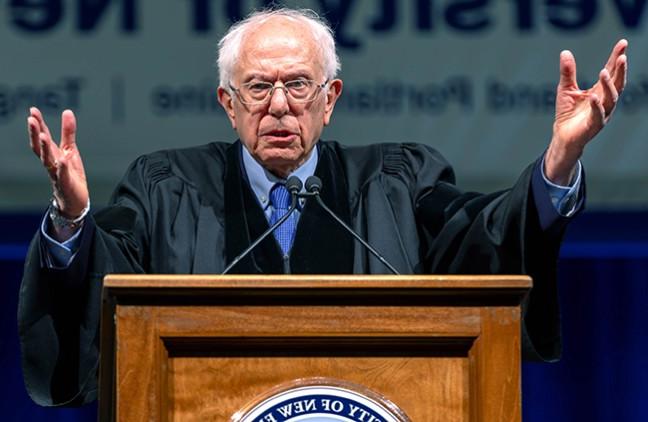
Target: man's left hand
x: 581, y: 114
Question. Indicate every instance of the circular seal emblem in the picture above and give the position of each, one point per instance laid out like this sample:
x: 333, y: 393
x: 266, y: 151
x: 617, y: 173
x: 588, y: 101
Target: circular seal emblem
x: 321, y: 400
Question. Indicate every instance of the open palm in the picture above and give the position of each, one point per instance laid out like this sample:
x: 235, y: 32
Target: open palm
x: 581, y: 114
x: 62, y: 162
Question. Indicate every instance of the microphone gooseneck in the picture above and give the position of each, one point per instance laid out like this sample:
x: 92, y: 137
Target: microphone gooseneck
x: 294, y: 185
x: 313, y: 188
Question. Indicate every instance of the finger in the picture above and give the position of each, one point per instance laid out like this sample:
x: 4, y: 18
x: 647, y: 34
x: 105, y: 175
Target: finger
x: 610, y: 95
x: 68, y: 129
x: 33, y: 129
x: 567, y: 70
x: 619, y: 49
x: 48, y: 155
x: 597, y: 116
x: 620, y: 76
x: 36, y: 113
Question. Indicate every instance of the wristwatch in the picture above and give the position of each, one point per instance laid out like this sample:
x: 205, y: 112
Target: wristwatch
x: 62, y: 222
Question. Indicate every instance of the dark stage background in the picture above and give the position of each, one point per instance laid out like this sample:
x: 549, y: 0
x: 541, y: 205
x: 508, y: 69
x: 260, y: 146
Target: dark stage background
x: 603, y: 375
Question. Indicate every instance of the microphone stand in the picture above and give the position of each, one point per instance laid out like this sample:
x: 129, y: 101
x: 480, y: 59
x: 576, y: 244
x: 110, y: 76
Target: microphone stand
x: 293, y: 206
x: 313, y: 186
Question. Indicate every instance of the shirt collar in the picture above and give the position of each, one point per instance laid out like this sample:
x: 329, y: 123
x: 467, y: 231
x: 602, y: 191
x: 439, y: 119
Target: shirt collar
x: 261, y: 180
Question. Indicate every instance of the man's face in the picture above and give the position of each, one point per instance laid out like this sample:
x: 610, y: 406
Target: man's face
x: 280, y: 134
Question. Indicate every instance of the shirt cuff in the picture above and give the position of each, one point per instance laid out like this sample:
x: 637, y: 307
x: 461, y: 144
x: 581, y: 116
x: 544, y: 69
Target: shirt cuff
x: 59, y: 256
x: 564, y: 198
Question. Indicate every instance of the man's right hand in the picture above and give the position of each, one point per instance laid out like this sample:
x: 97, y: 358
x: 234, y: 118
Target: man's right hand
x: 62, y: 162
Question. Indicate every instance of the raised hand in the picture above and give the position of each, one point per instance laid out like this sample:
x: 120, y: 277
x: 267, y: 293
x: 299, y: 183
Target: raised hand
x: 581, y: 114
x: 62, y: 162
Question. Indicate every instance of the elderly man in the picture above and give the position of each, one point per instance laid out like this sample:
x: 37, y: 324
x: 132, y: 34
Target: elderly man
x: 193, y: 210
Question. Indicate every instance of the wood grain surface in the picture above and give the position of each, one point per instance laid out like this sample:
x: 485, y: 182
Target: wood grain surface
x: 426, y: 389
x: 185, y: 359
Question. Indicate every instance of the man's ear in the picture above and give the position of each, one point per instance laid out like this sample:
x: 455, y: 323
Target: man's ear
x: 225, y: 99
x: 332, y: 94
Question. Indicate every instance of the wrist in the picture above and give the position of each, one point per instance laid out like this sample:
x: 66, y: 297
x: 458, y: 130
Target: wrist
x: 62, y: 222
x: 560, y: 164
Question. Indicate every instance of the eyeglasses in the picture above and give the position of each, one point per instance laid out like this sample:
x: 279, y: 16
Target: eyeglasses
x: 299, y: 91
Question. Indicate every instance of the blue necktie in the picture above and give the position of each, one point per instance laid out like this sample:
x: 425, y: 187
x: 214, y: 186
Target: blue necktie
x: 280, y: 200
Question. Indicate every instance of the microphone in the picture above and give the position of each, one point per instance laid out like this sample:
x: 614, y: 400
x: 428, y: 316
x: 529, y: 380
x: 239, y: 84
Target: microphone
x: 313, y: 188
x: 294, y: 186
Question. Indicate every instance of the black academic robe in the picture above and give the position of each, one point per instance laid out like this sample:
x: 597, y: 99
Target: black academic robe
x: 190, y: 211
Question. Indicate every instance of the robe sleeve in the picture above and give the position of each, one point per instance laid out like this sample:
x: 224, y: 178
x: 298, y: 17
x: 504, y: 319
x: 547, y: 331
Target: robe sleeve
x: 59, y: 310
x: 498, y: 233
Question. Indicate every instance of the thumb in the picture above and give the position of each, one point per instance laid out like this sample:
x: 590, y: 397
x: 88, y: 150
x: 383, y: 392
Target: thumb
x: 567, y: 71
x: 68, y: 130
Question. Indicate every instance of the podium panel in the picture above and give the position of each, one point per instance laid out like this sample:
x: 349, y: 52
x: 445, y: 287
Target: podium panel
x: 185, y: 348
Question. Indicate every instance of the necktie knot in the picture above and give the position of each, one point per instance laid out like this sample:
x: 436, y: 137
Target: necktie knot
x: 280, y: 197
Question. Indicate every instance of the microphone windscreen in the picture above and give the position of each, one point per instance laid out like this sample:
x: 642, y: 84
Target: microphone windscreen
x: 313, y: 184
x: 294, y: 185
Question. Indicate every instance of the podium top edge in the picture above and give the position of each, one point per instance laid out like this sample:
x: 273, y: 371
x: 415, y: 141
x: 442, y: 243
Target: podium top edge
x: 117, y: 281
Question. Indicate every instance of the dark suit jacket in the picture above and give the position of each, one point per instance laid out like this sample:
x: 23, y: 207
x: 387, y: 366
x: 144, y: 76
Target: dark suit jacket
x: 192, y: 211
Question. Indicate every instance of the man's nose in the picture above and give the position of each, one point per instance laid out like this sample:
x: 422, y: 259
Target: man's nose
x: 278, y: 102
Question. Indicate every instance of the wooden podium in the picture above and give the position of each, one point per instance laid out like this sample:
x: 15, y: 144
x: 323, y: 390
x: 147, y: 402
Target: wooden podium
x: 200, y: 348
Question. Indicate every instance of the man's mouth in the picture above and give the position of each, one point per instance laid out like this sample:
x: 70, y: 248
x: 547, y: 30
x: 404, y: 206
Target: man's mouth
x: 279, y: 134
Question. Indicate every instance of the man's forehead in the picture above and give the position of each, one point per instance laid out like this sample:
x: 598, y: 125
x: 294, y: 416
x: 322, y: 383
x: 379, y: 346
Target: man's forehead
x: 279, y: 32
x: 277, y: 44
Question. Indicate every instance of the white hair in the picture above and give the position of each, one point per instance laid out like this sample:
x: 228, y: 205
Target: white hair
x: 229, y: 47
